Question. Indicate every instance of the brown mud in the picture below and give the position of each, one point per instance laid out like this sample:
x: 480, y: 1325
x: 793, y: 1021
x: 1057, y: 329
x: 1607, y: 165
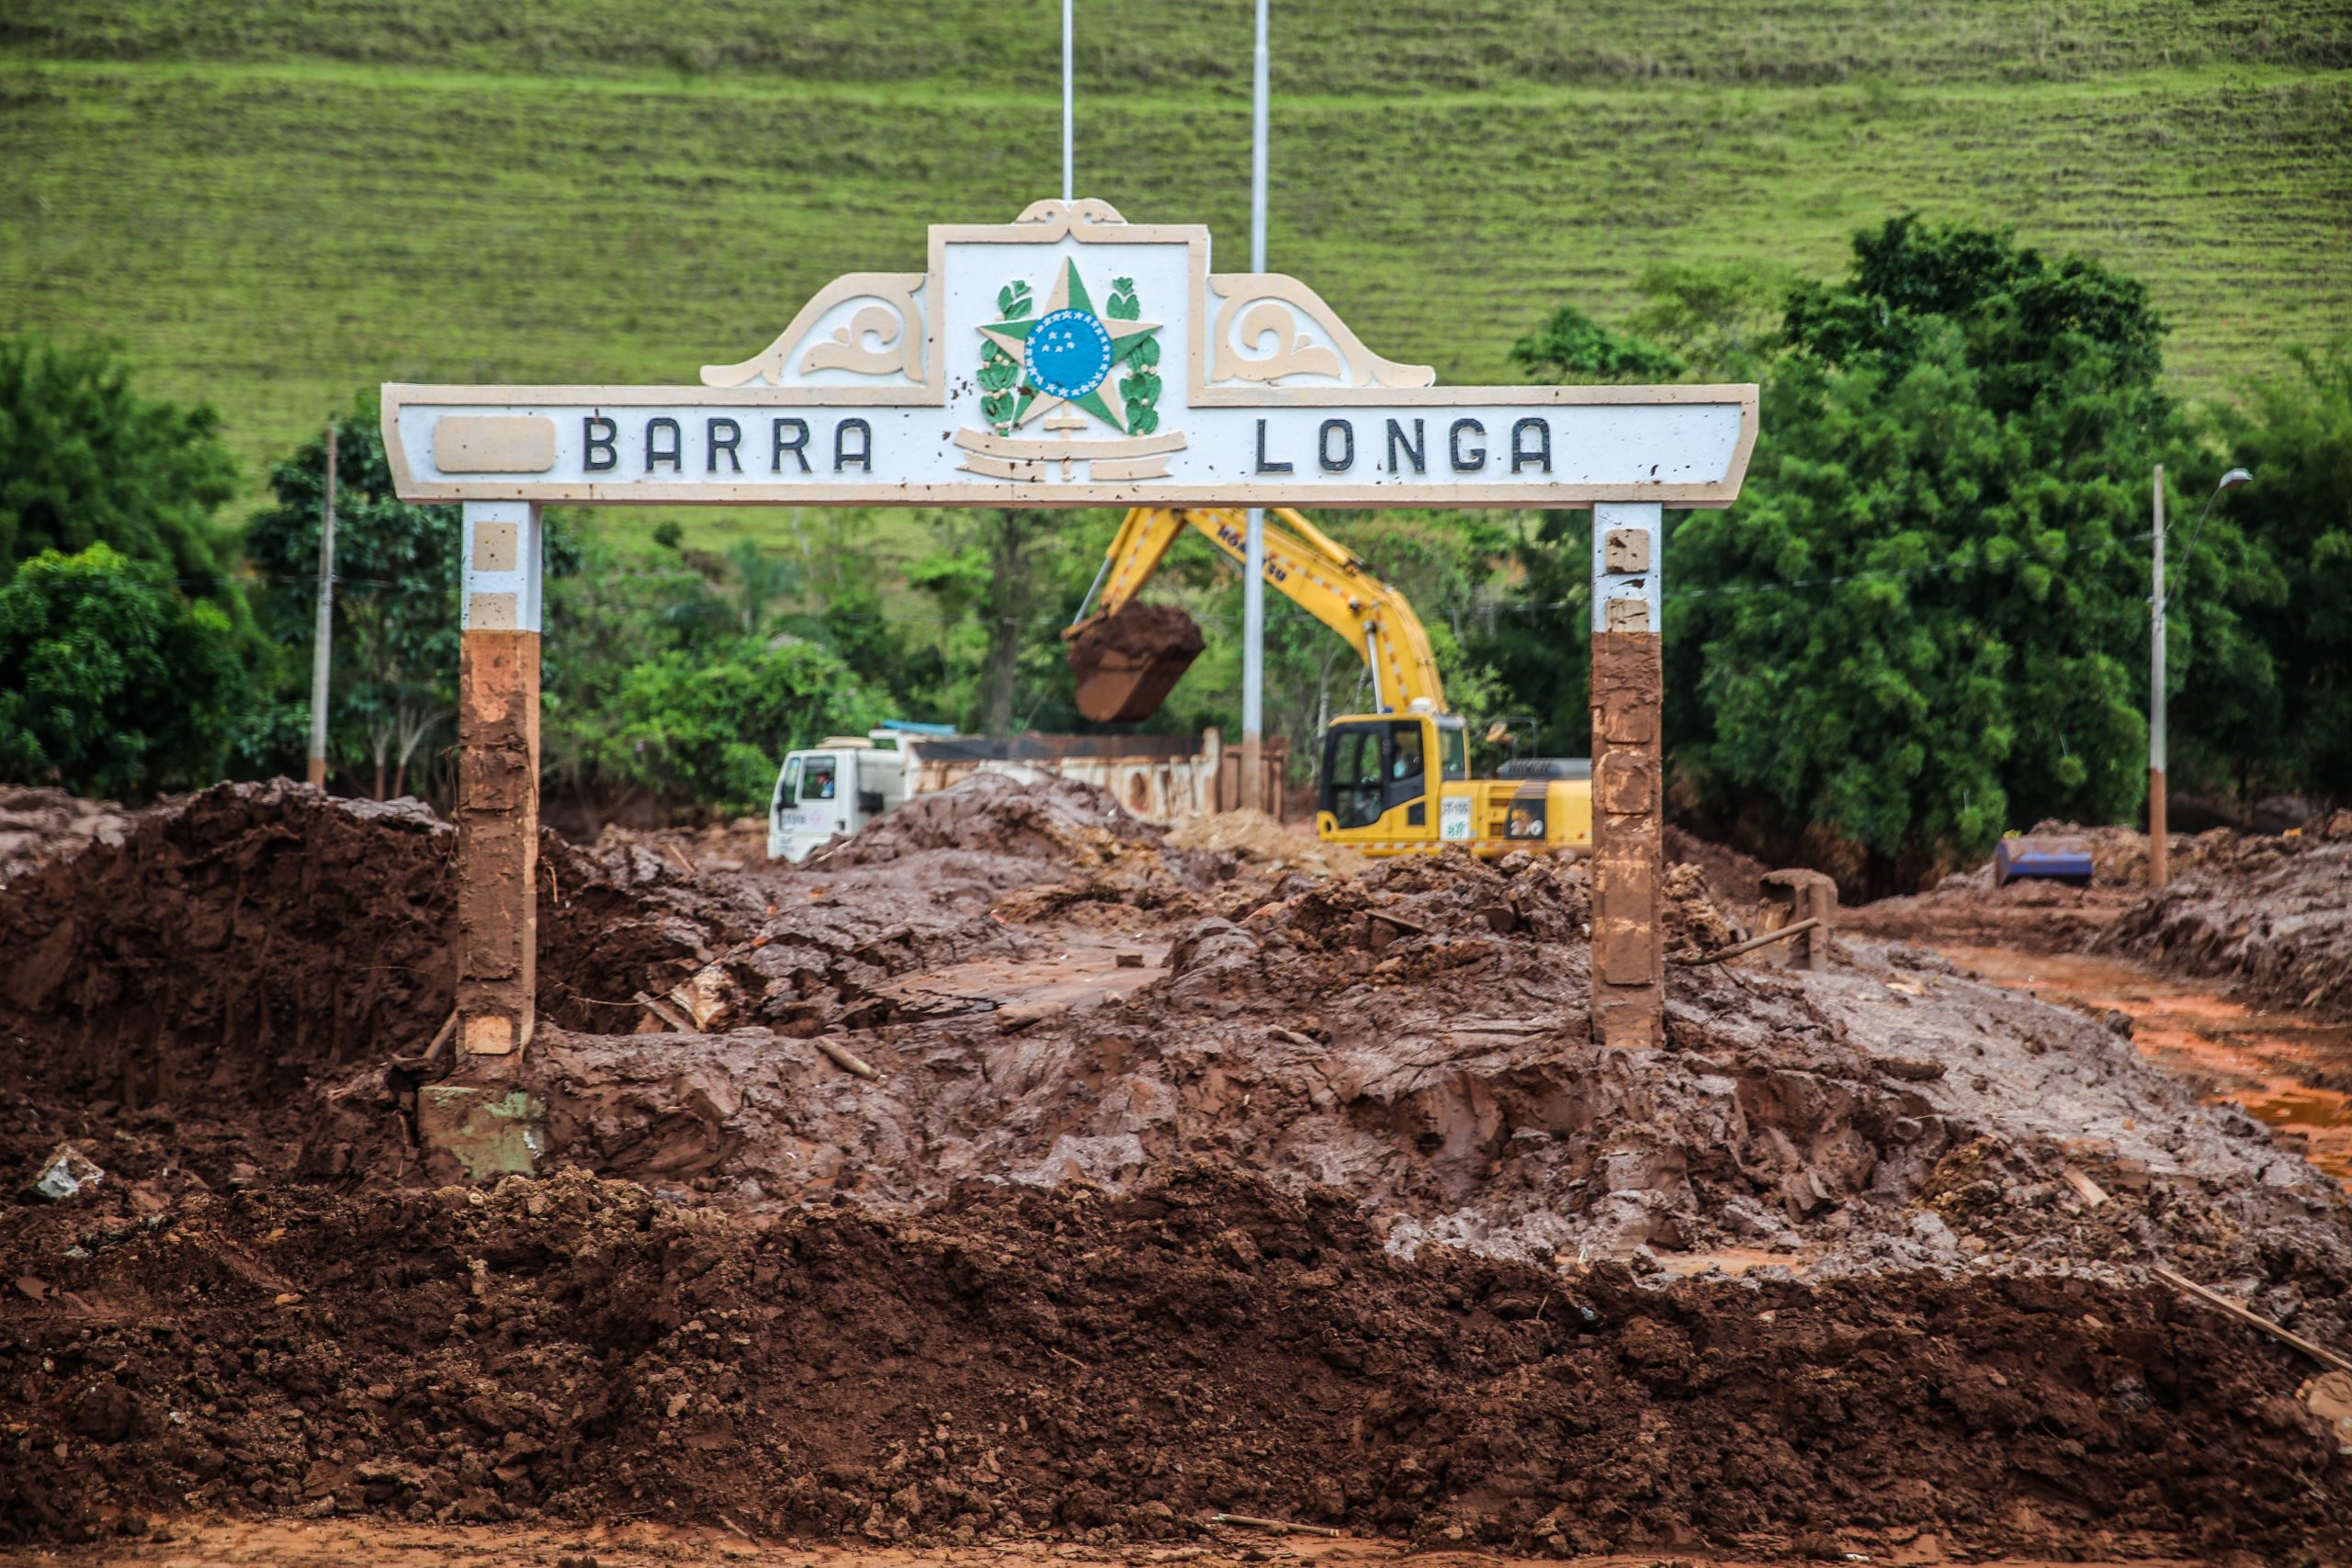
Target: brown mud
x: 2292, y: 1071
x: 1189, y: 1181
x: 2273, y: 917
x: 1113, y: 1367
x: 37, y: 825
x: 636, y: 1542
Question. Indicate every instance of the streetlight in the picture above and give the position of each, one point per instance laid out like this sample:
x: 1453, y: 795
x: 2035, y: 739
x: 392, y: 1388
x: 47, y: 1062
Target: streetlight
x: 2158, y: 832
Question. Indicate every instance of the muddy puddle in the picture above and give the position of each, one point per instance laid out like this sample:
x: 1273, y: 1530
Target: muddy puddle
x: 2281, y: 1067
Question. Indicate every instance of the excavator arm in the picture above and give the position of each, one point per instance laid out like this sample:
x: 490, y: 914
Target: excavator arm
x: 1320, y: 575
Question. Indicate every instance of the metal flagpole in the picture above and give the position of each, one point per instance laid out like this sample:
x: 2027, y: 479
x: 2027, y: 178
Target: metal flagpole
x: 1253, y: 566
x: 1070, y: 156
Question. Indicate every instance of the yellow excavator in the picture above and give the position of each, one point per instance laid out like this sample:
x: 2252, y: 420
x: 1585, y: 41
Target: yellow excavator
x: 1395, y: 781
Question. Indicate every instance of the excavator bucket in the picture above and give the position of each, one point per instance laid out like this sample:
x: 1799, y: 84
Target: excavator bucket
x: 1128, y: 660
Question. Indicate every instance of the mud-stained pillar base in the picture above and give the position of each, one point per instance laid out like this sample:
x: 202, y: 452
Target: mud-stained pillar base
x: 498, y: 789
x: 473, y: 1134
x: 1628, y: 864
x: 1796, y: 896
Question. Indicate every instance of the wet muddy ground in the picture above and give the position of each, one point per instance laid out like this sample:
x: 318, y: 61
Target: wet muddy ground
x: 2289, y: 1070
x: 644, y: 1544
x: 1186, y: 1182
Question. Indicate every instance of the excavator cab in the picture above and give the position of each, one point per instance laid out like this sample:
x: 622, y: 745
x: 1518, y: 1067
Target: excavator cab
x: 1382, y: 775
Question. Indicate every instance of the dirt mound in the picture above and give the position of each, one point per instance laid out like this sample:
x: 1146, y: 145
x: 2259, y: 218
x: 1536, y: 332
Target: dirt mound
x: 739, y: 844
x: 1058, y: 820
x: 1734, y: 880
x: 1419, y: 1035
x: 238, y: 942
x: 2273, y: 917
x: 1114, y: 1368
x: 37, y: 825
x: 1268, y: 843
x: 1966, y: 910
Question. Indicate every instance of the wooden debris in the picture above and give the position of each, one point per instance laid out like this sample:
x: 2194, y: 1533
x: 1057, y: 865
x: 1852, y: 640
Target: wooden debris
x: 706, y: 997
x: 685, y: 861
x: 844, y: 1060
x: 2089, y: 1191
x: 442, y: 1036
x: 1281, y: 1525
x: 666, y: 1013
x: 1690, y: 955
x: 2254, y: 1319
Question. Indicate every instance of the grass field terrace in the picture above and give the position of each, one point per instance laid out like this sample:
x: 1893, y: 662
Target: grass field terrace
x: 273, y: 204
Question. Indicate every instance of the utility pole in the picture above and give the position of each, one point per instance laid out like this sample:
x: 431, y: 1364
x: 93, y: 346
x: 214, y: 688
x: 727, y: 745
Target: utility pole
x: 1253, y: 561
x: 323, y: 644
x: 2158, y: 847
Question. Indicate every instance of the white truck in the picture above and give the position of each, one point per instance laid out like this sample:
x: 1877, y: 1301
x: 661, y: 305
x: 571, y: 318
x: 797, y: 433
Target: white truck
x: 845, y: 781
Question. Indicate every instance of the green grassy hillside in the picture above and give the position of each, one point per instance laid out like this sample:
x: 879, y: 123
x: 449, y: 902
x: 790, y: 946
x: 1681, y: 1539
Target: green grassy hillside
x: 273, y: 204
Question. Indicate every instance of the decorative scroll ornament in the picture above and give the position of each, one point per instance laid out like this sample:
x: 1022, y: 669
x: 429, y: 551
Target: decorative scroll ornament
x: 867, y: 324
x: 1258, y: 336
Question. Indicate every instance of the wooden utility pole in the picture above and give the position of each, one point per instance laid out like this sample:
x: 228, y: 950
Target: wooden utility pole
x: 322, y: 643
x: 1628, y: 827
x: 2159, y: 847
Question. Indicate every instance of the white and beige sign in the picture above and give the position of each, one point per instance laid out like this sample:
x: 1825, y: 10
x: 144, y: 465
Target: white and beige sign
x: 1070, y: 358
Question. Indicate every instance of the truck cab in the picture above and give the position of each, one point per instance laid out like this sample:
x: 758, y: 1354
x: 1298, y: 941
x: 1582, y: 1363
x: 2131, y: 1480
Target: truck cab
x: 1399, y: 783
x: 836, y: 786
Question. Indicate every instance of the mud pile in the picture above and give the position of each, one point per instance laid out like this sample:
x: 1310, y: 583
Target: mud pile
x: 739, y: 844
x: 995, y: 818
x: 1734, y: 880
x: 1967, y: 910
x: 37, y: 825
x: 2272, y: 917
x: 239, y: 943
x: 1183, y: 1182
x: 1113, y: 1368
x: 1267, y: 843
x: 1418, y: 1036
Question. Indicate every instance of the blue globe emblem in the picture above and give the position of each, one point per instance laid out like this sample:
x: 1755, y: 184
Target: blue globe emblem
x: 1070, y: 353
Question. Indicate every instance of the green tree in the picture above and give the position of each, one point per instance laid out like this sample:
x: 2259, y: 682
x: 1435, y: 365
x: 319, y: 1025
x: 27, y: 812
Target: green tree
x: 762, y: 580
x: 617, y: 611
x: 85, y: 461
x: 393, y: 685
x: 1571, y: 346
x: 1004, y: 582
x: 709, y: 728
x: 1723, y: 319
x: 1921, y: 622
x: 112, y: 682
x: 2295, y: 433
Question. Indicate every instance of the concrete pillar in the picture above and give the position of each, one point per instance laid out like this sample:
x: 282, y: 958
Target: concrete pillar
x: 498, y: 786
x: 1628, y: 772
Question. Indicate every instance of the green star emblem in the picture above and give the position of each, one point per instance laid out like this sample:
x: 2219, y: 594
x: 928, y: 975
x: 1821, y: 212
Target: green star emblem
x: 1070, y: 354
